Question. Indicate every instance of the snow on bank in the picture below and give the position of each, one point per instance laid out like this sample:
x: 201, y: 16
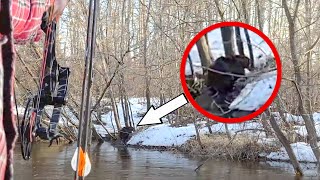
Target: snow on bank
x: 289, y: 117
x: 268, y: 142
x: 138, y: 106
x: 309, y: 169
x: 302, y: 130
x: 165, y: 135
x: 234, y: 128
x: 302, y: 151
x: 316, y: 117
x: 296, y: 118
x: 255, y: 94
x: 300, y: 127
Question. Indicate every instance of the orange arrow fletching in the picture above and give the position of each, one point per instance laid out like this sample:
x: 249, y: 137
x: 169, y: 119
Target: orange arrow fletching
x: 82, y: 162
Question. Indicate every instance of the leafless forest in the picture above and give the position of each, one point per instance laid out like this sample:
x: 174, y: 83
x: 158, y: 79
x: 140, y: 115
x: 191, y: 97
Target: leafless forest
x: 140, y: 45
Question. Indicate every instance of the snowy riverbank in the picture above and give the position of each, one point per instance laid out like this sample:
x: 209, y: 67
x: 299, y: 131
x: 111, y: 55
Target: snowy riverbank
x: 248, y: 138
x: 166, y: 135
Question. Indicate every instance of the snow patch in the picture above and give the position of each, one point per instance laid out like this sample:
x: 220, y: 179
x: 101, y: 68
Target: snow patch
x: 302, y: 130
x: 302, y: 151
x: 254, y: 94
x: 268, y: 141
x: 166, y: 135
x: 309, y: 169
x: 163, y: 135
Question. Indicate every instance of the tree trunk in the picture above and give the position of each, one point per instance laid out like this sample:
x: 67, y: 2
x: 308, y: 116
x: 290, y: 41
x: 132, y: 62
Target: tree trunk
x: 265, y: 125
x: 308, y: 55
x: 245, y: 11
x: 209, y: 50
x: 115, y: 110
x: 203, y: 50
x: 281, y: 112
x: 260, y: 14
x: 208, y: 124
x: 228, y: 41
x: 239, y: 41
x: 221, y: 14
x: 303, y: 112
x: 285, y: 143
x: 197, y: 133
x: 145, y: 50
x: 227, y: 131
x: 250, y: 48
x: 228, y: 38
x: 127, y: 110
x: 312, y: 133
x: 292, y: 40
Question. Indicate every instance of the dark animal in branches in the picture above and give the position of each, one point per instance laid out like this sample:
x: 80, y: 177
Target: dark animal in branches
x: 125, y: 134
x: 222, y: 83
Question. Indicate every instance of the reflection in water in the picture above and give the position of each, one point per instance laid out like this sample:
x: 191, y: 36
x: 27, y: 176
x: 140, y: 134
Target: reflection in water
x: 109, y: 162
x: 123, y: 156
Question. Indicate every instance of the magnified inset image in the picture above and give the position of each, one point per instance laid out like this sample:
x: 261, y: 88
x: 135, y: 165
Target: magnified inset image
x: 231, y: 71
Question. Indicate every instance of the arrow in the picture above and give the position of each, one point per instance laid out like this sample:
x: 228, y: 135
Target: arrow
x: 153, y: 116
x: 84, y: 167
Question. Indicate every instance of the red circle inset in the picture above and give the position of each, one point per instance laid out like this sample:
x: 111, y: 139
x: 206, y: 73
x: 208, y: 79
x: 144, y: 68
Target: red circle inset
x: 218, y: 118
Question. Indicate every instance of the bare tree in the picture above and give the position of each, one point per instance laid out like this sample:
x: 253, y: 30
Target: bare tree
x: 228, y: 38
x: 239, y: 41
x: 204, y: 54
x: 294, y: 57
x: 146, y: 14
x: 285, y: 143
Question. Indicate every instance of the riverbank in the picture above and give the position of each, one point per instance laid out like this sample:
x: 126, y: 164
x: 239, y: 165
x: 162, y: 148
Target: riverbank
x: 247, y: 141
x: 241, y: 146
x: 244, y: 141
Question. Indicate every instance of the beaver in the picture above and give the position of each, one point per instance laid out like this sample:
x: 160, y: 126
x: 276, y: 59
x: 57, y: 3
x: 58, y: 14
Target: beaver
x: 230, y: 64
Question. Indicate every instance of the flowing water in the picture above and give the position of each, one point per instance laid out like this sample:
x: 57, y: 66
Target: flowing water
x: 109, y: 162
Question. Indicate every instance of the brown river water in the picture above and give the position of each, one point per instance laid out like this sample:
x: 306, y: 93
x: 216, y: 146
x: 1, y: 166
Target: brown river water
x: 109, y: 162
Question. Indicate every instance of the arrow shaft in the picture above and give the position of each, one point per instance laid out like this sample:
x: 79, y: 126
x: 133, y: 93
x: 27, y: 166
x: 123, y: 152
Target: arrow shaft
x: 84, y: 121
